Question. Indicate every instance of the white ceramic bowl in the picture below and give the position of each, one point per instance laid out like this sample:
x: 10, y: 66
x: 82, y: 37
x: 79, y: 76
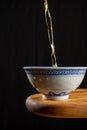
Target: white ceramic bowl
x: 55, y: 82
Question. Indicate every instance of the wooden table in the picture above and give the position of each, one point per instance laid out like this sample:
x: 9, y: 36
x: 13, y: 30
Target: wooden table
x: 74, y: 107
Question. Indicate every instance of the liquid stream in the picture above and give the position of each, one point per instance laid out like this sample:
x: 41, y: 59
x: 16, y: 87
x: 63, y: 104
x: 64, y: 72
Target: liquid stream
x: 49, y: 25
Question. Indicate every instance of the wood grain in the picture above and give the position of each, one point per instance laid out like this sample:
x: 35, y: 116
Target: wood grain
x: 74, y: 107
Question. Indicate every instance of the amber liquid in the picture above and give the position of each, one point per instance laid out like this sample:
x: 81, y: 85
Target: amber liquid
x: 48, y: 20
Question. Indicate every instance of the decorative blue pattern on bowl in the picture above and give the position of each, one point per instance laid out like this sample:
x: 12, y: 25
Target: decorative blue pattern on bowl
x: 56, y: 72
x: 55, y: 94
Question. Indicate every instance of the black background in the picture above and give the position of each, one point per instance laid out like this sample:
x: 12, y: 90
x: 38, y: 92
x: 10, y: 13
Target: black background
x: 24, y: 42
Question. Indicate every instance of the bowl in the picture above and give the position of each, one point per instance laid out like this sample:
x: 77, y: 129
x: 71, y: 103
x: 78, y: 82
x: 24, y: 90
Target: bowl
x: 55, y: 83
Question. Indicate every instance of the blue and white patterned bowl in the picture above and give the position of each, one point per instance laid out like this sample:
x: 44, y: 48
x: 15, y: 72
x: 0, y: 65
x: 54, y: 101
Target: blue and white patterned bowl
x: 55, y: 82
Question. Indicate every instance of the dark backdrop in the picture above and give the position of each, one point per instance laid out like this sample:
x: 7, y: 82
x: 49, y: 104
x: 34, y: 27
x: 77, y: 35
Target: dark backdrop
x: 24, y: 42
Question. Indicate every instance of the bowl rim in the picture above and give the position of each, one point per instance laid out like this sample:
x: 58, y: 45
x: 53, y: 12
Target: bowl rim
x: 52, y: 67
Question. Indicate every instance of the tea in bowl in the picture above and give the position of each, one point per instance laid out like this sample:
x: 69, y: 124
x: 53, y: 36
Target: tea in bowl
x: 55, y: 83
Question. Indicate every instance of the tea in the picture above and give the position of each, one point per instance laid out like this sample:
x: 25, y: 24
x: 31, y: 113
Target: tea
x: 49, y: 25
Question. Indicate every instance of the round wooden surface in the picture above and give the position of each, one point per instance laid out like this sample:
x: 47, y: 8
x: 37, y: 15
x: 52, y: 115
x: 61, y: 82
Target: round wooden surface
x: 74, y: 107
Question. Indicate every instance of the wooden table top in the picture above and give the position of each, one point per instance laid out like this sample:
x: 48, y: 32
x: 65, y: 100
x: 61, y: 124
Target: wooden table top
x: 74, y: 107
